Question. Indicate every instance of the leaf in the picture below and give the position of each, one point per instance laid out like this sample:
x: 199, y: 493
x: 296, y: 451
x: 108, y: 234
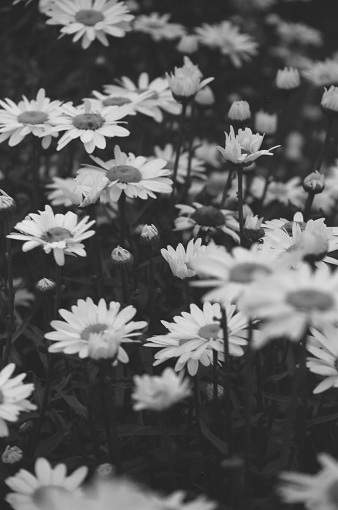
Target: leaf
x: 140, y: 430
x: 75, y: 404
x: 47, y: 446
x: 220, y: 445
x: 277, y: 377
x: 322, y: 419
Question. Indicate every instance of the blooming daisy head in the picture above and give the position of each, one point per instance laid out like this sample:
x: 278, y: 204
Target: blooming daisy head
x: 85, y: 189
x: 290, y: 192
x: 158, y: 393
x: 90, y: 19
x: 39, y: 490
x: 181, y: 261
x: 91, y: 122
x: 136, y: 176
x: 28, y: 117
x: 324, y: 361
x: 13, y: 397
x: 207, y: 218
x: 186, y: 81
x: 194, y: 336
x: 60, y: 233
x: 95, y: 331
x: 158, y: 26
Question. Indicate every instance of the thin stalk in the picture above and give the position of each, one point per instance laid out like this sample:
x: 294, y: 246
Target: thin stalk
x: 308, y: 205
x: 190, y: 152
x: 168, y: 450
x: 10, y: 290
x: 91, y: 420
x: 217, y: 411
x: 247, y: 411
x: 325, y: 144
x: 58, y: 287
x: 227, y: 398
x: 240, y: 203
x: 151, y: 289
x: 35, y: 160
x: 125, y: 284
x: 96, y: 256
x: 178, y: 151
x: 227, y: 186
x: 122, y: 210
x: 111, y: 438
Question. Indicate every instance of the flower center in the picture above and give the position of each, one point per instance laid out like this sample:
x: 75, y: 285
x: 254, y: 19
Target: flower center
x: 208, y: 216
x: 88, y: 121
x: 92, y: 329
x: 247, y: 271
x: 306, y: 300
x: 47, y: 496
x: 124, y: 173
x: 56, y: 234
x: 209, y: 331
x: 288, y: 226
x: 116, y: 101
x: 89, y: 17
x: 332, y: 492
x: 32, y: 117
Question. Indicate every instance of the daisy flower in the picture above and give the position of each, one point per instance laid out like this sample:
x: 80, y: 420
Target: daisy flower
x: 181, y: 261
x: 287, y: 193
x: 118, y: 97
x: 59, y: 233
x: 136, y: 176
x: 158, y: 393
x: 298, y: 33
x: 322, y: 73
x: 291, y: 301
x: 90, y: 19
x: 227, y: 38
x: 86, y: 189
x: 158, y: 26
x: 88, y: 325
x: 13, y: 397
x: 206, y: 218
x: 55, y: 191
x: 186, y: 81
x: 28, y: 117
x: 313, y: 491
x: 30, y: 491
x: 92, y: 127
x: 193, y: 336
x: 197, y: 165
x: 324, y: 349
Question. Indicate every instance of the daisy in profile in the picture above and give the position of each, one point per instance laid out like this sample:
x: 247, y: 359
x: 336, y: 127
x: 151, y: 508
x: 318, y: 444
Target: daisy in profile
x: 194, y: 336
x: 90, y: 19
x: 289, y: 302
x: 58, y: 233
x: 13, y: 397
x: 90, y: 328
x: 206, y: 218
x: 136, y: 176
x: 39, y: 490
x: 324, y: 349
x: 158, y: 393
x: 168, y: 153
x: 227, y: 38
x: 90, y: 122
x: 158, y: 26
x: 181, y: 261
x: 28, y: 117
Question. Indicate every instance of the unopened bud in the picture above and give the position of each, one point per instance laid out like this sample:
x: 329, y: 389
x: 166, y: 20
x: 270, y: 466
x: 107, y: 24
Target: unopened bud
x: 266, y: 122
x: 7, y: 203
x: 314, y: 182
x: 45, y: 286
x: 122, y: 257
x: 149, y: 235
x: 239, y: 111
x: 288, y: 78
x: 11, y: 455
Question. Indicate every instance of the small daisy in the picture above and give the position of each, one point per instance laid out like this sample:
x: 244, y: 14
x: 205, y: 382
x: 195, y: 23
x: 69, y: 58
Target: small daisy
x: 168, y: 153
x: 291, y: 301
x: 227, y: 38
x: 36, y: 491
x: 206, y: 218
x: 324, y: 348
x: 158, y: 26
x: 136, y: 176
x: 181, y: 261
x: 298, y: 33
x: 186, y: 81
x: 158, y: 393
x: 60, y: 233
x: 88, y: 324
x: 92, y: 127
x: 193, y: 336
x: 13, y: 397
x: 90, y: 19
x: 28, y: 117
x: 287, y: 193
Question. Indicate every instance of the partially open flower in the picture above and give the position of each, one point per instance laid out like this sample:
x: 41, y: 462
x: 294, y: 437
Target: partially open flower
x: 45, y: 286
x: 11, y: 455
x: 239, y: 111
x: 314, y: 182
x: 122, y: 257
x: 288, y: 78
x: 329, y: 101
x: 185, y: 82
x: 7, y: 203
x: 149, y: 235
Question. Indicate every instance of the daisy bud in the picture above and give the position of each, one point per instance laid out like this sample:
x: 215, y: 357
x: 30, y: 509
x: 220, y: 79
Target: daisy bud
x: 122, y: 257
x: 185, y: 82
x: 253, y: 230
x: 266, y: 122
x: 7, y: 203
x: 239, y: 111
x: 45, y: 286
x: 188, y: 44
x: 314, y: 182
x: 149, y: 235
x: 329, y: 101
x: 11, y: 455
x: 287, y: 78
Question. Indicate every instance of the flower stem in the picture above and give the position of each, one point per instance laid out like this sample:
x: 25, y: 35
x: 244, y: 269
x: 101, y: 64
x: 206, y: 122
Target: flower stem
x: 151, y: 289
x: 96, y: 256
x: 325, y: 144
x: 227, y: 186
x: 217, y: 411
x: 58, y: 288
x: 308, y: 205
x: 122, y: 210
x: 240, y: 203
x: 178, y: 152
x: 247, y: 411
x: 190, y: 152
x: 91, y: 420
x: 10, y: 289
x: 227, y: 399
x: 35, y: 160
x: 111, y: 438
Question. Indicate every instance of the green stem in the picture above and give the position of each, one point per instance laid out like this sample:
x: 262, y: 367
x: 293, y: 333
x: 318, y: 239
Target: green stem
x: 96, y: 256
x: 151, y: 290
x: 227, y: 399
x: 111, y: 438
x: 10, y: 289
x: 58, y: 287
x: 240, y: 203
x: 122, y: 210
x: 178, y: 152
x: 227, y: 186
x: 308, y: 205
x: 89, y: 404
x: 325, y: 144
x: 217, y: 411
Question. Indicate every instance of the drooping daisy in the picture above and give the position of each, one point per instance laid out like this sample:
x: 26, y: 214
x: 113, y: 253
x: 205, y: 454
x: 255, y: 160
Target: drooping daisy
x: 90, y: 122
x: 158, y: 26
x: 89, y: 325
x: 34, y: 491
x: 158, y: 393
x: 90, y: 19
x: 324, y: 348
x: 193, y: 336
x: 206, y: 218
x: 181, y: 261
x: 289, y: 302
x: 197, y: 165
x: 313, y: 491
x: 13, y: 397
x: 28, y: 117
x: 227, y: 38
x: 136, y: 176
x: 60, y: 233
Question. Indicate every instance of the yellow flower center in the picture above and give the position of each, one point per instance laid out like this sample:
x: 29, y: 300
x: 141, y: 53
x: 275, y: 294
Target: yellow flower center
x: 208, y: 216
x: 92, y: 329
x: 32, y: 117
x: 116, y: 101
x: 89, y: 17
x: 209, y: 331
x: 247, y: 271
x: 124, y: 173
x: 307, y: 300
x: 88, y: 121
x: 56, y: 234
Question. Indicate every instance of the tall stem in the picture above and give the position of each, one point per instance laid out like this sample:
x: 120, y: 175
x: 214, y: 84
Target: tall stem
x: 247, y: 411
x: 308, y: 205
x: 122, y: 210
x: 90, y: 412
x: 96, y: 256
x: 217, y: 411
x: 151, y: 289
x: 10, y: 289
x: 227, y: 399
x: 240, y: 202
x: 111, y: 438
x: 178, y: 151
x: 227, y: 186
x: 325, y: 144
